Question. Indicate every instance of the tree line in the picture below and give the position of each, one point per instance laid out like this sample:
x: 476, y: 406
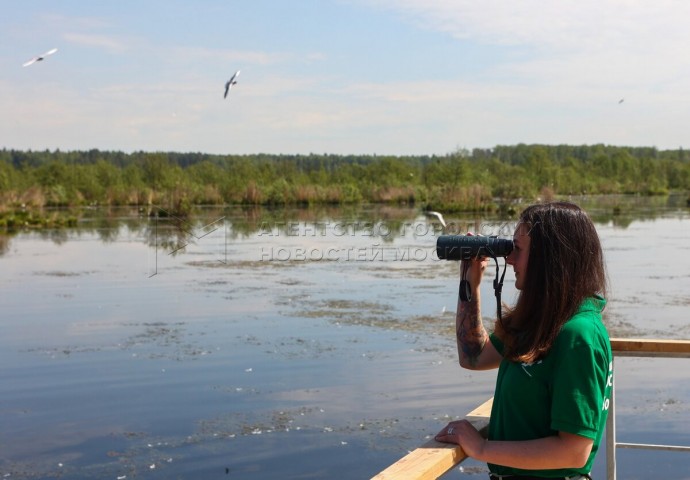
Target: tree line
x: 481, y: 179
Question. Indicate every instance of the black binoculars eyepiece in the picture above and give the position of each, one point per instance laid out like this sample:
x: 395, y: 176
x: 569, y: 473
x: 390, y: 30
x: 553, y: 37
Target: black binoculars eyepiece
x: 464, y: 247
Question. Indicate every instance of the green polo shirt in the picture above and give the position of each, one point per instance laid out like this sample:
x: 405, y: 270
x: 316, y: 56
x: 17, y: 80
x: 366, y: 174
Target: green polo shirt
x: 569, y: 390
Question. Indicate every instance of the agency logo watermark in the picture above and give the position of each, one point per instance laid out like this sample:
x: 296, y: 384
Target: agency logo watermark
x: 315, y: 241
x: 381, y: 229
x: 388, y: 242
x: 373, y: 253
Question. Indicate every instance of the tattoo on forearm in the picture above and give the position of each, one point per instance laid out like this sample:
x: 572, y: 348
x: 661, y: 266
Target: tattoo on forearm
x: 470, y: 331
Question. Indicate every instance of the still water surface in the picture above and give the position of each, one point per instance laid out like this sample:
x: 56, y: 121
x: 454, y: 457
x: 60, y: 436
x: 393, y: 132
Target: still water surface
x: 292, y: 344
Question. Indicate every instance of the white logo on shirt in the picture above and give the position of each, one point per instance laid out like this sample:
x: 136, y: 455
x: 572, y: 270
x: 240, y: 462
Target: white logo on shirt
x: 525, y: 364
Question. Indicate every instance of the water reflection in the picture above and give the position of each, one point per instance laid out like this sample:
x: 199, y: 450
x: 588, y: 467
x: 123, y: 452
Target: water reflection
x: 4, y: 243
x: 380, y: 222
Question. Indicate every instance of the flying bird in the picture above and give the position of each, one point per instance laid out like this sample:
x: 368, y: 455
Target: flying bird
x: 230, y: 83
x: 436, y: 215
x: 39, y: 58
x: 621, y: 100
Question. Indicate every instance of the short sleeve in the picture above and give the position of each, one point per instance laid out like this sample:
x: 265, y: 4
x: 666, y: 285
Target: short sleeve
x: 579, y: 391
x: 496, y: 342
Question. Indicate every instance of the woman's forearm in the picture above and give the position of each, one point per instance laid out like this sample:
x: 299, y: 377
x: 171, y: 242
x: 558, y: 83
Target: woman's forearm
x: 470, y: 332
x: 555, y: 452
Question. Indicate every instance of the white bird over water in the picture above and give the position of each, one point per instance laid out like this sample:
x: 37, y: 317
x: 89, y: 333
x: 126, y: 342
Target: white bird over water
x: 39, y: 57
x: 436, y: 215
x: 230, y: 83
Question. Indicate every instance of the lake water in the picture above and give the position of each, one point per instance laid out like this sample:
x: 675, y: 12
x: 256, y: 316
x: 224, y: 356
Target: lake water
x: 292, y: 344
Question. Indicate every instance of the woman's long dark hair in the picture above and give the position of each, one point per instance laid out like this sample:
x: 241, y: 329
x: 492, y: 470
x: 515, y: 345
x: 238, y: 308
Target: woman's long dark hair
x: 565, y: 266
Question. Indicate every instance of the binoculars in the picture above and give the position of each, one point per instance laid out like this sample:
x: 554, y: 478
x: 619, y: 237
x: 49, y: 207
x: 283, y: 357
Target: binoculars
x: 464, y: 247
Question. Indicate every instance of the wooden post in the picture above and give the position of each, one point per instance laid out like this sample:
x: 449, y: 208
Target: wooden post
x: 611, y: 433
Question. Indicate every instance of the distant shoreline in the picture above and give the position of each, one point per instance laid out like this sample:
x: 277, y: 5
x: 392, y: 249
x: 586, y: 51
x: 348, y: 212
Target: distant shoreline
x: 483, y: 180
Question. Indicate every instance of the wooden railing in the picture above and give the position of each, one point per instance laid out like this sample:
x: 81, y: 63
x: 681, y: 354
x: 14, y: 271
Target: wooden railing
x: 433, y: 459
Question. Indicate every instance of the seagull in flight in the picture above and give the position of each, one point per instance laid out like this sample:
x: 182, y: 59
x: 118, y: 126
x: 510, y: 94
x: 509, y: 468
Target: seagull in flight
x: 436, y: 215
x: 39, y: 57
x: 230, y: 83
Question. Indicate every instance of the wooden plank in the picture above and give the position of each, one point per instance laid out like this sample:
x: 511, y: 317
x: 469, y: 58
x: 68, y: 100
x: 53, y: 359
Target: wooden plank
x: 482, y: 411
x: 641, y: 347
x: 427, y: 462
x: 432, y: 459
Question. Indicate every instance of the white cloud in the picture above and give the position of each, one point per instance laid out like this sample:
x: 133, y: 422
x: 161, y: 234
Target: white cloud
x: 565, y: 24
x: 72, y: 22
x: 603, y: 42
x: 578, y: 56
x: 232, y: 56
x: 105, y: 42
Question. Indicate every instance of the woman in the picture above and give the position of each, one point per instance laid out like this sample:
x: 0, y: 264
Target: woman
x: 551, y: 349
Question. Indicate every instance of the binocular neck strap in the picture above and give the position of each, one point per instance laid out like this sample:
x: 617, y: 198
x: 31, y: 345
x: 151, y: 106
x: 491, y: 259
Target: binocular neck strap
x: 466, y: 292
x: 498, y: 286
x: 465, y: 289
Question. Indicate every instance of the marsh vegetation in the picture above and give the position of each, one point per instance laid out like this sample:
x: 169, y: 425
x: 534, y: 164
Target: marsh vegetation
x: 481, y: 180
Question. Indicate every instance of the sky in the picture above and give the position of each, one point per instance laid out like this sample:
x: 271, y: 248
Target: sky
x: 371, y: 77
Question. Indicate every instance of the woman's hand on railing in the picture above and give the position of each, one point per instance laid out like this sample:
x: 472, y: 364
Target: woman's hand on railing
x: 463, y: 433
